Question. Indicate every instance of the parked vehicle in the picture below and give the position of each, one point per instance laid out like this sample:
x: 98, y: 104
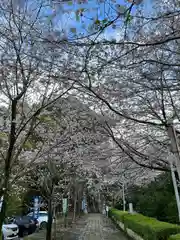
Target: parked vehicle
x: 9, y: 231
x: 26, y: 225
x: 42, y: 219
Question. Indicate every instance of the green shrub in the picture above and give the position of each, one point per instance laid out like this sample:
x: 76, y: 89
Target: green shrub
x: 148, y: 228
x: 119, y: 215
x: 174, y: 237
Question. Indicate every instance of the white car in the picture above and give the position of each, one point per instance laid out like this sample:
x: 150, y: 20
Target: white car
x: 42, y: 219
x: 10, y: 231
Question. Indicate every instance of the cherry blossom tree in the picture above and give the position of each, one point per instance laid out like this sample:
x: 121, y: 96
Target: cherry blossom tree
x: 70, y: 142
x: 136, y: 82
x: 134, y: 79
x: 26, y: 87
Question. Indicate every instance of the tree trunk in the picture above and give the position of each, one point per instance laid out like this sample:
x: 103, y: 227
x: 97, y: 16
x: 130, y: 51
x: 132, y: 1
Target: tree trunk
x: 8, y: 160
x: 94, y: 206
x: 50, y: 214
x: 55, y: 229
x: 75, y: 203
x: 79, y: 203
x: 65, y: 214
x: 3, y: 210
x: 50, y: 220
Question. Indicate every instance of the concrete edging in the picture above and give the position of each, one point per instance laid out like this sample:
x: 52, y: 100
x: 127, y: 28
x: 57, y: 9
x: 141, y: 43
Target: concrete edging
x: 133, y: 235
x: 128, y: 231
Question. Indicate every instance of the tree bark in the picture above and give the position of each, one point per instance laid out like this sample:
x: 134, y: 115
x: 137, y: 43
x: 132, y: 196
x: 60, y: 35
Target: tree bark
x: 55, y: 229
x: 79, y: 202
x: 75, y: 203
x: 8, y: 160
x: 50, y: 215
x: 50, y: 219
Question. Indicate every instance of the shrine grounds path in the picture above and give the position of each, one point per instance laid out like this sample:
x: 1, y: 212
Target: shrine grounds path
x: 88, y: 227
x: 99, y: 227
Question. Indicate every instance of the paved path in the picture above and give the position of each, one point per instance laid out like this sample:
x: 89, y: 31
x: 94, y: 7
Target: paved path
x: 89, y: 227
x: 98, y: 227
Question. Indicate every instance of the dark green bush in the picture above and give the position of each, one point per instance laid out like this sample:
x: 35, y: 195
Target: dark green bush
x: 174, y: 237
x: 148, y: 228
x: 155, y: 199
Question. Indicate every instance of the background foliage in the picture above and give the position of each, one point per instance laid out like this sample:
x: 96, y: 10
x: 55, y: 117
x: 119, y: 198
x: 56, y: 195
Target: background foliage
x: 155, y: 199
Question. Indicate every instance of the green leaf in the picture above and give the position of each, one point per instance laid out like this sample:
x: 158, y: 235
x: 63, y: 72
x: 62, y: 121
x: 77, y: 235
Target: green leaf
x: 77, y: 16
x: 129, y: 18
x: 73, y: 30
x: 97, y: 22
x: 121, y: 9
x: 28, y: 145
x: 105, y: 20
x: 70, y: 3
x: 3, y: 135
x: 81, y: 10
x: 45, y: 118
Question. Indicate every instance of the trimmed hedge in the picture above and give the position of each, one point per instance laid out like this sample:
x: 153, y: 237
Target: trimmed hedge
x: 174, y: 237
x: 146, y: 227
x: 119, y: 215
